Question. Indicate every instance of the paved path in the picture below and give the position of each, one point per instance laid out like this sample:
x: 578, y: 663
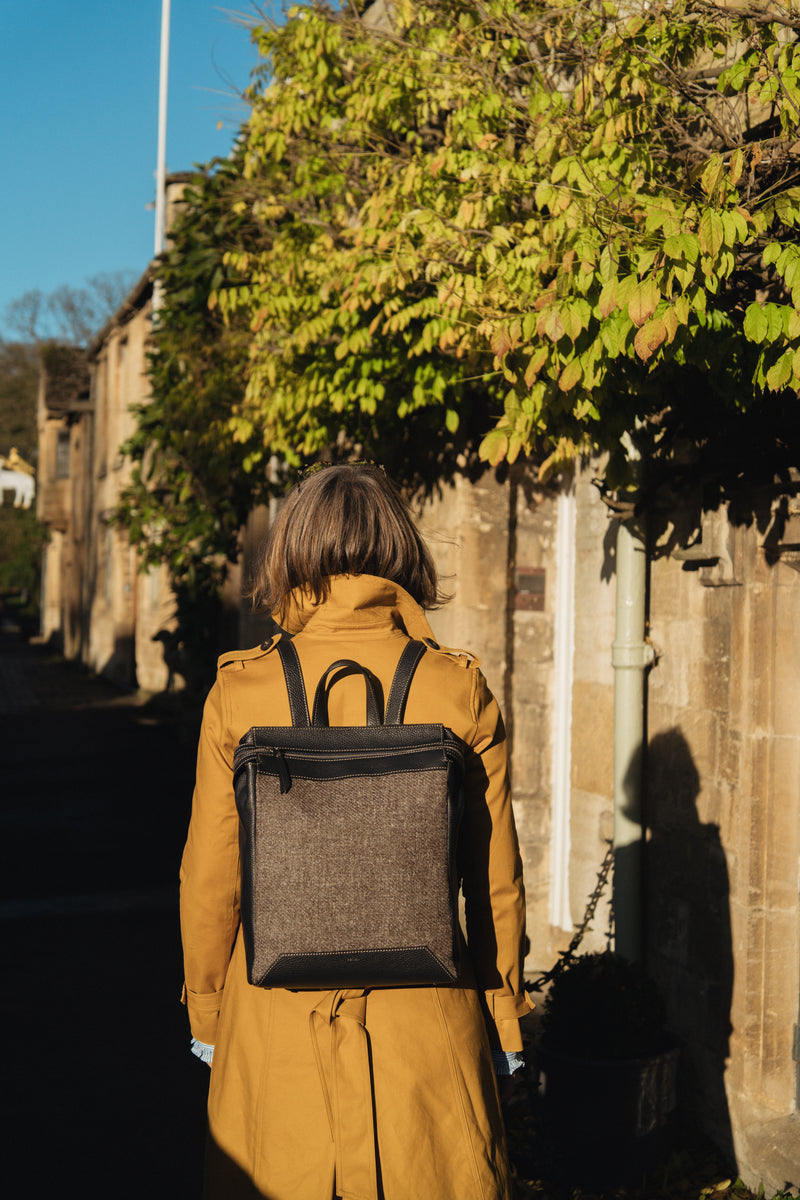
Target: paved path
x: 101, y: 1096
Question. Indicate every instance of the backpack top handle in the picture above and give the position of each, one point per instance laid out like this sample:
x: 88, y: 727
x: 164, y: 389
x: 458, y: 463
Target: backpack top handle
x: 343, y: 668
x: 398, y: 693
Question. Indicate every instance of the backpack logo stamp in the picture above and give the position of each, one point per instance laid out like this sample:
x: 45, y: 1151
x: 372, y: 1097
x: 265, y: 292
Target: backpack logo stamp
x: 348, y: 840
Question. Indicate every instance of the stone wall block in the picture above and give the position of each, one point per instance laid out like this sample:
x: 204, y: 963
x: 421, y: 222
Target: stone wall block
x: 594, y: 628
x: 593, y: 737
x: 667, y: 586
x: 158, y: 662
x: 595, y: 588
x: 741, y: 659
x: 763, y: 652
x: 701, y: 731
x: 782, y: 826
x: 740, y: 1014
x: 533, y: 640
x: 588, y: 820
x: 661, y: 715
x: 709, y: 673
x: 760, y: 781
x: 530, y: 771
x: 727, y: 766
x: 781, y: 947
x: 749, y: 1036
x: 679, y: 643
x: 765, y: 1005
x: 786, y: 678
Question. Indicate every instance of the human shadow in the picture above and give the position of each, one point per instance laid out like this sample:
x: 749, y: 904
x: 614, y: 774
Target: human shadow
x: 222, y: 1176
x: 688, y: 931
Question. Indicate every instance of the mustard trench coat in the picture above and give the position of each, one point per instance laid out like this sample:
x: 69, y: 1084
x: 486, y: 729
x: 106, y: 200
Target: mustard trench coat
x: 385, y: 1094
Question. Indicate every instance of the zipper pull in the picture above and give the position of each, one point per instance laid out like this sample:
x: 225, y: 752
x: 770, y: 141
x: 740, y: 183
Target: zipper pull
x: 283, y: 771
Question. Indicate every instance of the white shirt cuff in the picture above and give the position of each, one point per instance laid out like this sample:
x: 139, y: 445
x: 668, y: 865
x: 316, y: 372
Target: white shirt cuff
x: 202, y: 1051
x: 506, y: 1062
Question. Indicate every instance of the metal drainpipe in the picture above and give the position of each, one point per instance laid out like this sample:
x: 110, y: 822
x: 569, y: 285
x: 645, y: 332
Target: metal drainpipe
x: 630, y: 657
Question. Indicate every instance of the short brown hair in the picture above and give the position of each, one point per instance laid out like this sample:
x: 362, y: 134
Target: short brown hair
x: 346, y: 519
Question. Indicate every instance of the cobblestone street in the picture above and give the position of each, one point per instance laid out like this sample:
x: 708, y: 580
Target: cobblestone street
x: 101, y: 1096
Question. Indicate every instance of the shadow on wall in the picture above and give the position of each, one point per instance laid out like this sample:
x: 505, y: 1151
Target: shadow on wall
x: 193, y: 666
x: 121, y: 666
x: 688, y: 930
x: 174, y: 657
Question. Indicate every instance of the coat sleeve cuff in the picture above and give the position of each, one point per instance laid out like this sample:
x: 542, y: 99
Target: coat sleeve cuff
x: 503, y: 1014
x: 203, y: 1009
x: 506, y: 1008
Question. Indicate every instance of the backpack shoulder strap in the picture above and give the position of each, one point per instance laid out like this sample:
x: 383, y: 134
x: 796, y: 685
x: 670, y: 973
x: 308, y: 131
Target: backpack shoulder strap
x: 293, y: 674
x: 398, y: 693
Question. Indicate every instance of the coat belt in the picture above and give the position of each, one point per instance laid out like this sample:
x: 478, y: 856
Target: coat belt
x: 345, y: 1074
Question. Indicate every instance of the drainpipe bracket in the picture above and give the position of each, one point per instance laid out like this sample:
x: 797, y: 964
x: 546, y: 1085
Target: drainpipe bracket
x: 632, y: 657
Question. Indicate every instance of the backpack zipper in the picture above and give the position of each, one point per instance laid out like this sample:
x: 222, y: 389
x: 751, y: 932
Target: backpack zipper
x: 283, y: 771
x: 244, y: 754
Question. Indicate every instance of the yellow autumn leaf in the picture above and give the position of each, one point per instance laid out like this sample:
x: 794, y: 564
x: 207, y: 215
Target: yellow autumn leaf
x: 570, y: 375
x: 649, y: 337
x: 644, y: 301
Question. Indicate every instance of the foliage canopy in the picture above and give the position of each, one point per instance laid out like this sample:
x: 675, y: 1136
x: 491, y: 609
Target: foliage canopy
x: 463, y: 228
x: 574, y: 221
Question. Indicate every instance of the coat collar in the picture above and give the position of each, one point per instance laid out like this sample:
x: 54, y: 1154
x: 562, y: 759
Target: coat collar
x: 355, y: 601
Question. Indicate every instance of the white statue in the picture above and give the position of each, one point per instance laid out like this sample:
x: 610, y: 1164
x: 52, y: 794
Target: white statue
x: 17, y: 476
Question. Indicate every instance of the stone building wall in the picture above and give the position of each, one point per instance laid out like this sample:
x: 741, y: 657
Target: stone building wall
x: 95, y: 601
x: 467, y: 528
x: 591, y: 821
x: 119, y: 380
x: 64, y: 422
x: 721, y: 856
x: 496, y: 546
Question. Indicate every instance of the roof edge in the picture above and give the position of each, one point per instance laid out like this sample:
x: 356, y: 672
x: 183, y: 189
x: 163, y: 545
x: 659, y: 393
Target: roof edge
x: 132, y: 302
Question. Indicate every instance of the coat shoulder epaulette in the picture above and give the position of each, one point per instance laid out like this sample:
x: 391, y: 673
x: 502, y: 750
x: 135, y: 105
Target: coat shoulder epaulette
x: 238, y: 659
x: 464, y: 658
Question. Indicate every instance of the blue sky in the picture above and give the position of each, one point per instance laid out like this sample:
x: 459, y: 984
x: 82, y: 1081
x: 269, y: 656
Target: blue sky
x: 79, y: 127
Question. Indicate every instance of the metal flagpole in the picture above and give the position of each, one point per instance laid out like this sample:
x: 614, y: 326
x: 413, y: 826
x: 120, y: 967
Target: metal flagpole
x: 161, y: 162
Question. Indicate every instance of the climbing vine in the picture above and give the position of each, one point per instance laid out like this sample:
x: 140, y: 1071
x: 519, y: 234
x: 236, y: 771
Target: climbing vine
x: 190, y: 492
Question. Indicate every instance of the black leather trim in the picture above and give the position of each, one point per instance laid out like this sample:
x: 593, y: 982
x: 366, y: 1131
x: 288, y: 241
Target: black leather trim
x: 315, y: 767
x: 402, y: 967
x: 404, y: 673
x: 293, y: 674
x: 344, y: 739
x: 244, y: 789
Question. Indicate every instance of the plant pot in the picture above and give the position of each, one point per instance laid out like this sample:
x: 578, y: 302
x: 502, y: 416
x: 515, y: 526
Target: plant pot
x: 608, y: 1119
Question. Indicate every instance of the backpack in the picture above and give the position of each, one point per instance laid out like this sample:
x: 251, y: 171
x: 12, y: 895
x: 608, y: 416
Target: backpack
x: 348, y: 840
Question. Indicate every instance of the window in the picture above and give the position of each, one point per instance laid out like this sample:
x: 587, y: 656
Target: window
x: 62, y: 454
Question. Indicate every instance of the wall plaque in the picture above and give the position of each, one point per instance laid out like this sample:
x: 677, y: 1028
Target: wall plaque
x: 530, y: 589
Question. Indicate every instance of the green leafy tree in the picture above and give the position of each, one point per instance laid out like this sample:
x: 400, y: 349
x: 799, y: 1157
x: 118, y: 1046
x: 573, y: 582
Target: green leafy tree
x: 21, y: 535
x: 574, y: 222
x: 464, y: 230
x: 19, y: 380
